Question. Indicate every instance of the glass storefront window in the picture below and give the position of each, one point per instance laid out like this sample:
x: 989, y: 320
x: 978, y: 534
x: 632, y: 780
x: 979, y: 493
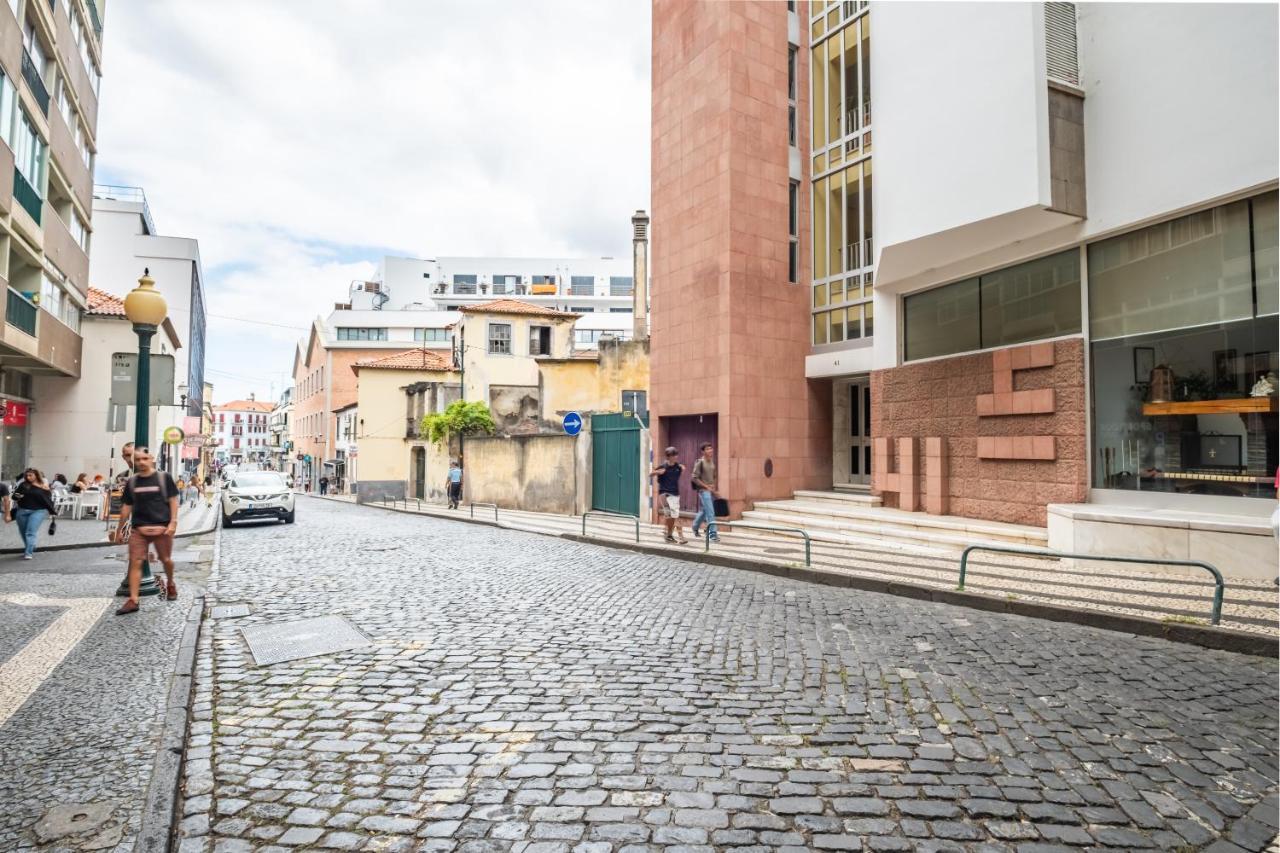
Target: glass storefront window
x: 1030, y: 301
x: 1184, y: 354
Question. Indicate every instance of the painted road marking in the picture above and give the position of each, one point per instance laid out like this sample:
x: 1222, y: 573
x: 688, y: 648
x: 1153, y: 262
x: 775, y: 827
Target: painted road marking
x: 34, y: 662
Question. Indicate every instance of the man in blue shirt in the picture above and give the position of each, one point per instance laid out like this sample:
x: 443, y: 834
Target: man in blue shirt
x: 454, y: 484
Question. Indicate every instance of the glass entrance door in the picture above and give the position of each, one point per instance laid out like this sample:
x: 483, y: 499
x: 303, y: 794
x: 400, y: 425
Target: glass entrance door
x: 851, y: 432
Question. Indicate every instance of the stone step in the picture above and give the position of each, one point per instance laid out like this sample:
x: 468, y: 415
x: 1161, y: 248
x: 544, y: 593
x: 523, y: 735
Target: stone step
x: 892, y: 517
x: 852, y: 497
x: 928, y: 530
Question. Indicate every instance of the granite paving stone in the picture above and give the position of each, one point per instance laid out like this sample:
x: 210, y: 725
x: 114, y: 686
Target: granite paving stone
x: 524, y: 692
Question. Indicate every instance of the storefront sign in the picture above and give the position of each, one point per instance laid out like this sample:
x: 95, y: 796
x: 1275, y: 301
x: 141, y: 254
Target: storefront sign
x: 15, y: 414
x: 193, y: 441
x: 173, y: 435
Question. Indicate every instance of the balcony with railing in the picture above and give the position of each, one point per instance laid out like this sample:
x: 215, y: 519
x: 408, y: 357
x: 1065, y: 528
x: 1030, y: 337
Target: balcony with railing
x: 858, y: 254
x: 27, y: 195
x: 21, y: 313
x: 34, y: 82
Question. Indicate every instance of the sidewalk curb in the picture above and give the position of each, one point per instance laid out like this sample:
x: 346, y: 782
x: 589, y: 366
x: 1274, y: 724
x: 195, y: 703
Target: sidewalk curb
x: 1222, y: 639
x: 76, y: 546
x: 160, y: 806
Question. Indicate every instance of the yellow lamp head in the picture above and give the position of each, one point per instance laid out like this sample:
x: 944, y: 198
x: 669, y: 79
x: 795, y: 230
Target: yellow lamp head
x: 144, y: 305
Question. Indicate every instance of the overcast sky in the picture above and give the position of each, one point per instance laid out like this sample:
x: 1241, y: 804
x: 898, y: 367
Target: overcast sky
x: 299, y: 142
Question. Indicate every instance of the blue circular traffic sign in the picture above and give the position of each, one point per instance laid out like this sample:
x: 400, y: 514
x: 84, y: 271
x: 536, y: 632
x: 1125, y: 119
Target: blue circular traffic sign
x: 573, y: 423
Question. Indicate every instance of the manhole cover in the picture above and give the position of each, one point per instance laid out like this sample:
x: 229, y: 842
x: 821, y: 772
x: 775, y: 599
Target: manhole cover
x: 228, y: 611
x: 307, y: 638
x: 72, y: 819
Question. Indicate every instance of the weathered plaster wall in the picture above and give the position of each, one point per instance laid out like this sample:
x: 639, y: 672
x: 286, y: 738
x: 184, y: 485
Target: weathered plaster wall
x: 532, y: 472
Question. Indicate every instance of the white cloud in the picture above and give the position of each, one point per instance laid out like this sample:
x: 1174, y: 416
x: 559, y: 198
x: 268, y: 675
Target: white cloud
x: 299, y: 141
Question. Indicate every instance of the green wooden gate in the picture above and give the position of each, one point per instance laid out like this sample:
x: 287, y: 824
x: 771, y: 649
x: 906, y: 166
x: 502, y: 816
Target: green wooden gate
x: 615, y: 464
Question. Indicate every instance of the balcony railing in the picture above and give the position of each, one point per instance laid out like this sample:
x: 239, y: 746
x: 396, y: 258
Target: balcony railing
x: 27, y: 196
x: 117, y: 193
x: 20, y: 313
x: 97, y: 19
x: 34, y: 82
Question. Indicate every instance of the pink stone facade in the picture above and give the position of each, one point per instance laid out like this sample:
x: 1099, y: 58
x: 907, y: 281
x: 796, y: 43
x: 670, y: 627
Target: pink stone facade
x: 1004, y: 465
x: 729, y: 333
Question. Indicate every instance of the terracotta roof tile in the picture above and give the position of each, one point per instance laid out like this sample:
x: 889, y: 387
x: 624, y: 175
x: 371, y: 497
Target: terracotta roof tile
x: 244, y: 406
x: 513, y: 306
x: 414, y: 359
x: 103, y: 303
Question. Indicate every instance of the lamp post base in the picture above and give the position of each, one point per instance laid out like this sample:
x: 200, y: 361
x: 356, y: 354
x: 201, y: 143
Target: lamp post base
x: 147, y: 587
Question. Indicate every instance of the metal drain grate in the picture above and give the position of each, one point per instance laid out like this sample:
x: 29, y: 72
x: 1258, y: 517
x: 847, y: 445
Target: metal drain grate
x: 228, y: 611
x: 308, y: 638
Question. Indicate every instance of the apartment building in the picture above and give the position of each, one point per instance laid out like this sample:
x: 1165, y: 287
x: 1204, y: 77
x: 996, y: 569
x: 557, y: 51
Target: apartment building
x: 279, y: 425
x: 50, y: 70
x: 242, y: 432
x: 1050, y: 302
x: 580, y: 285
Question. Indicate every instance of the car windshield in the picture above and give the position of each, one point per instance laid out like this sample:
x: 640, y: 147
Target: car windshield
x: 258, y: 480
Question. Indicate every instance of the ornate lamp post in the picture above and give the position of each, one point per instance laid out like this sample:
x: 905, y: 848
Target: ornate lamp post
x: 145, y: 308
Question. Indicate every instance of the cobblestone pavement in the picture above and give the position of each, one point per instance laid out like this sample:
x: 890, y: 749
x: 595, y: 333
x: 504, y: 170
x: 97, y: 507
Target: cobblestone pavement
x: 1249, y: 604
x: 532, y: 694
x: 82, y: 693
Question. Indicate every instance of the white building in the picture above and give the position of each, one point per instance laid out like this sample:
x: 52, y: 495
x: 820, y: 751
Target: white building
x: 581, y: 285
x: 125, y: 242
x: 242, y: 431
x: 343, y: 473
x: 75, y: 435
x: 280, y: 442
x: 1064, y: 174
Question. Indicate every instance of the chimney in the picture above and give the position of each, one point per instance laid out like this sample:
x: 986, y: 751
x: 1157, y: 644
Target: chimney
x: 640, y: 275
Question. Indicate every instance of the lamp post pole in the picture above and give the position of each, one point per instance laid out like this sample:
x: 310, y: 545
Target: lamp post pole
x: 145, y: 308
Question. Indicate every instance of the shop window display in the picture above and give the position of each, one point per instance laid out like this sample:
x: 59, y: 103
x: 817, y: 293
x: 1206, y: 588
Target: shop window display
x: 1184, y: 340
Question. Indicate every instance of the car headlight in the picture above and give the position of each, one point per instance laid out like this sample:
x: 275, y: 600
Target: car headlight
x: 234, y: 499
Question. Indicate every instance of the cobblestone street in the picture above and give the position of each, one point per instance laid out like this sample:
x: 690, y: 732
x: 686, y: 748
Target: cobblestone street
x: 527, y: 693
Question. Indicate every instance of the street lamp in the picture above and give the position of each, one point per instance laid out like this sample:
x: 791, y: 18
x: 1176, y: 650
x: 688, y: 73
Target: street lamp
x: 145, y: 308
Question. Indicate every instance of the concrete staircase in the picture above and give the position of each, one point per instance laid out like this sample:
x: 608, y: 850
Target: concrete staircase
x: 858, y: 518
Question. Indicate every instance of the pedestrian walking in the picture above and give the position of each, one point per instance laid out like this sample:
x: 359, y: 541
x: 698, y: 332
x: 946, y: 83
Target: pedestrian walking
x: 668, y: 474
x: 192, y: 492
x: 324, y: 485
x: 704, y: 481
x: 148, y: 518
x: 33, y: 502
x: 453, y: 484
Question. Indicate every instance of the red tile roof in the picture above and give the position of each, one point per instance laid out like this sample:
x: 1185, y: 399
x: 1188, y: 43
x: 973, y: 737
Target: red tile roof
x: 414, y: 359
x: 513, y: 306
x: 244, y: 406
x: 103, y: 303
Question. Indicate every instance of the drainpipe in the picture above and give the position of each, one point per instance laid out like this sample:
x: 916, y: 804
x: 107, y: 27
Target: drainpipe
x: 640, y: 275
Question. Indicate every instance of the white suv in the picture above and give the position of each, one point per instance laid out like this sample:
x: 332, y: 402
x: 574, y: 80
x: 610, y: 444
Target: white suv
x: 256, y: 494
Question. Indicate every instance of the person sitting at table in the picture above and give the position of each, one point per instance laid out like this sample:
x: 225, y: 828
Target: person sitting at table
x: 81, y: 483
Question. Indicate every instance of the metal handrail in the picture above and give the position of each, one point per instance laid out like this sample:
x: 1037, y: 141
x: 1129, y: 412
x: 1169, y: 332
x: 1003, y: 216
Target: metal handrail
x: 475, y: 504
x: 808, y: 561
x: 1219, y: 585
x: 634, y: 518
